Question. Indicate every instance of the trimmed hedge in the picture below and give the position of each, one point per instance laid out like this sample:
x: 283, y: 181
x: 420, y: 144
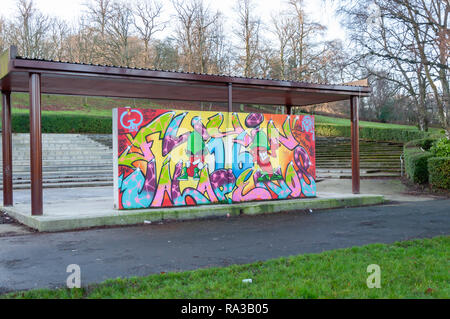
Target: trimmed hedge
x: 416, y: 161
x: 391, y: 134
x: 441, y: 147
x: 399, y: 135
x: 439, y: 172
x: 424, y: 143
x: 56, y: 123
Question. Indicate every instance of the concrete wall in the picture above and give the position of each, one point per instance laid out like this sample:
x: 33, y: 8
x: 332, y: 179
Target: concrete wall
x: 176, y: 158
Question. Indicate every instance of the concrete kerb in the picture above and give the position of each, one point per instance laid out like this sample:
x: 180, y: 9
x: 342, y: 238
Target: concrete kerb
x: 131, y: 217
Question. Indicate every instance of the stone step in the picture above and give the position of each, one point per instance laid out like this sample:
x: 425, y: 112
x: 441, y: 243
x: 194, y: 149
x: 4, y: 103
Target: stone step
x: 64, y: 185
x: 365, y: 158
x: 341, y: 151
x: 374, y: 152
x: 349, y: 170
x: 368, y: 160
x: 348, y: 149
x: 49, y: 136
x: 61, y: 149
x: 348, y: 162
x: 66, y: 167
x: 362, y: 160
x: 85, y: 152
x: 392, y: 168
x: 77, y: 159
x: 67, y: 179
x: 21, y: 139
x: 362, y: 172
x: 62, y: 161
x: 52, y: 153
x: 63, y: 174
x: 66, y: 158
x: 57, y: 141
x: 322, y: 168
x: 361, y: 147
x: 362, y: 176
x: 370, y: 155
x: 361, y: 150
x: 361, y: 143
x: 331, y: 157
x: 91, y: 167
x: 60, y: 143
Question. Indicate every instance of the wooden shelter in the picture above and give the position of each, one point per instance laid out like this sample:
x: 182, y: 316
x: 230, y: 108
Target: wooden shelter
x: 18, y: 74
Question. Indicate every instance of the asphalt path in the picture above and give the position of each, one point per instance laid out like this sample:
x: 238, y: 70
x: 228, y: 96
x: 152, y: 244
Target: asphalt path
x: 40, y: 260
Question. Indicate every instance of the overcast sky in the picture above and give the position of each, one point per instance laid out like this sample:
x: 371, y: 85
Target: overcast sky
x: 319, y: 11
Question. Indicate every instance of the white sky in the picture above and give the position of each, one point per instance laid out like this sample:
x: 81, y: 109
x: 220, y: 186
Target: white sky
x: 318, y: 10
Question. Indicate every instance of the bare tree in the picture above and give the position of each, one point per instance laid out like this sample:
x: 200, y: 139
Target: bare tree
x: 147, y: 23
x: 248, y: 33
x: 186, y: 16
x: 29, y: 30
x: 58, y: 38
x: 428, y: 21
x: 304, y: 51
x: 99, y: 12
x: 98, y: 15
x: 121, y: 49
x: 165, y: 55
x: 268, y: 61
x: 81, y: 42
x: 382, y: 48
x: 220, y: 48
x: 199, y: 36
x: 2, y: 34
x: 285, y: 28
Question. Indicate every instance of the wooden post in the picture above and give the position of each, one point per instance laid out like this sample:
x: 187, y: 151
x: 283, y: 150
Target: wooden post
x: 230, y: 97
x: 35, y: 144
x: 289, y: 109
x: 7, y: 149
x: 354, y: 117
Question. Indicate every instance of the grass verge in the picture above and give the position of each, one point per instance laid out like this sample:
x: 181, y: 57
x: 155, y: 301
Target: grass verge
x: 409, y: 269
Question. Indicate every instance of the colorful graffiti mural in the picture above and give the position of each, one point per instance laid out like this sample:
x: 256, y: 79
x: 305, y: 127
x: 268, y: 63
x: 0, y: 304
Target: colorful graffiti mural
x: 174, y: 158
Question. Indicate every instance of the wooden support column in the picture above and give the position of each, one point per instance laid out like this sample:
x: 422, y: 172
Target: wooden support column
x: 289, y: 109
x: 35, y: 144
x: 354, y: 117
x: 230, y: 97
x: 7, y: 149
x: 229, y: 147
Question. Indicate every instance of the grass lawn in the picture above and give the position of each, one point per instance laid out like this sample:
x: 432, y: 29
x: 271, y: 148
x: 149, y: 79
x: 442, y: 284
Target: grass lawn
x: 410, y: 269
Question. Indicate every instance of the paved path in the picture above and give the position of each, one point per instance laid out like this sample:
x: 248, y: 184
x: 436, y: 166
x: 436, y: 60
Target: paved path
x: 40, y: 260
